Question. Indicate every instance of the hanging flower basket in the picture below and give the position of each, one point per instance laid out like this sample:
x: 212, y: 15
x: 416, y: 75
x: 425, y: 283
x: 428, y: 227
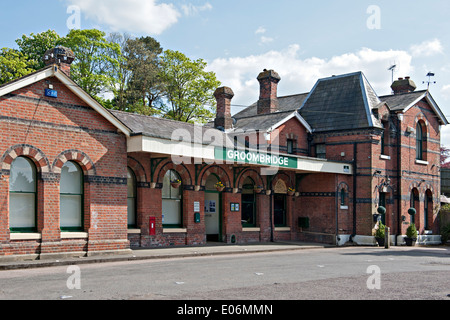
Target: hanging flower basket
x: 290, y: 191
x: 258, y: 189
x: 175, y: 184
x: 219, y: 186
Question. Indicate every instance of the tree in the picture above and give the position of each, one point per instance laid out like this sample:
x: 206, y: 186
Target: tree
x: 189, y: 88
x: 96, y: 60
x: 35, y: 45
x: 146, y: 88
x: 13, y: 64
x: 445, y: 155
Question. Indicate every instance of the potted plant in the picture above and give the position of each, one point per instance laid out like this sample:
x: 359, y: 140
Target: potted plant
x: 175, y: 183
x: 219, y: 186
x: 411, y: 235
x: 290, y: 191
x: 380, y: 234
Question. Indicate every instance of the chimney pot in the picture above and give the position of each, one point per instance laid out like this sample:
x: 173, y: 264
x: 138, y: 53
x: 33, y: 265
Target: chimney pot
x: 403, y: 85
x: 268, y: 98
x: 61, y: 56
x: 223, y: 97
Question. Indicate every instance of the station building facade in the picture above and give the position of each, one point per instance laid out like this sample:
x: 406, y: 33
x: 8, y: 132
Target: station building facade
x: 77, y: 179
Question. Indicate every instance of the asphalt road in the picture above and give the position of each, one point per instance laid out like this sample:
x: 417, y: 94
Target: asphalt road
x: 353, y: 273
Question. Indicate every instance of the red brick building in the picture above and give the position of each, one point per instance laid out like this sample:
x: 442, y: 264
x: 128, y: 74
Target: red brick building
x: 78, y: 179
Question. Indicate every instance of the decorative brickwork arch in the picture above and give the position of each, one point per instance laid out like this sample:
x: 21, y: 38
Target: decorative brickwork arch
x: 285, y: 178
x: 253, y: 174
x: 181, y: 169
x: 25, y: 150
x: 138, y: 169
x: 219, y: 172
x: 86, y: 164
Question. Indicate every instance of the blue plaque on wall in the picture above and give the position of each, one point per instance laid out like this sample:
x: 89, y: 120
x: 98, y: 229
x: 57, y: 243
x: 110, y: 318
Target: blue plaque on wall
x: 51, y: 93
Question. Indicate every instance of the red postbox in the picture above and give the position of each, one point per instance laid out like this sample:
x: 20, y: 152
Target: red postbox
x: 152, y: 226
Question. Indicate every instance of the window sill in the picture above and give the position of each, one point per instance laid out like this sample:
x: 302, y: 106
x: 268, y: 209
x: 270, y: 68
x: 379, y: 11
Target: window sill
x: 174, y: 230
x: 250, y: 229
x: 384, y: 157
x: 74, y: 235
x: 25, y: 236
x: 282, y: 229
x: 422, y: 162
x: 134, y: 231
x: 344, y: 207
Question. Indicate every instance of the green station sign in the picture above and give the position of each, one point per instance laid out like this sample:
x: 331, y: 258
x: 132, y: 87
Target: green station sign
x: 258, y: 158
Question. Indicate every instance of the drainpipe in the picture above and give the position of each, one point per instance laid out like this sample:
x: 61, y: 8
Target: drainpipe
x: 336, y: 210
x: 399, y: 176
x: 355, y: 166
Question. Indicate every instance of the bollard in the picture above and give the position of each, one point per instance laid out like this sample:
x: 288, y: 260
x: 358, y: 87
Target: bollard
x: 387, y: 233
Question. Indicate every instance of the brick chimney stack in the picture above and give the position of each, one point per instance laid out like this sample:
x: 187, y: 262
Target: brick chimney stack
x: 268, y: 98
x: 403, y: 86
x: 223, y: 119
x: 61, y: 56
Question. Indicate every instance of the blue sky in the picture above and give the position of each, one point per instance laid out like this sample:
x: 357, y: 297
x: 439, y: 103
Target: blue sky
x: 302, y: 40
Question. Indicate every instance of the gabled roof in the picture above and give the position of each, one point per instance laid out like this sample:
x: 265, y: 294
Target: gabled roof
x: 404, y: 102
x: 54, y: 71
x: 342, y: 102
x: 248, y: 119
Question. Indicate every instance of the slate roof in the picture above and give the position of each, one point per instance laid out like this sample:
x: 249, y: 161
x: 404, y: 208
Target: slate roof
x: 344, y: 102
x: 341, y: 103
x: 165, y: 128
x: 399, y: 102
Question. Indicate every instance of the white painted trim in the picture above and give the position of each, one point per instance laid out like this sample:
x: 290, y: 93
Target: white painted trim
x: 74, y: 235
x: 384, y: 157
x: 26, y: 81
x: 25, y: 236
x: 282, y: 229
x: 77, y: 90
x: 174, y: 230
x: 134, y: 231
x: 251, y: 229
x: 289, y: 117
x: 421, y: 162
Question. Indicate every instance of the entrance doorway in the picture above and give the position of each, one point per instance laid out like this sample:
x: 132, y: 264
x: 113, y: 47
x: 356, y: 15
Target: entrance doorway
x: 213, y: 210
x: 279, y: 207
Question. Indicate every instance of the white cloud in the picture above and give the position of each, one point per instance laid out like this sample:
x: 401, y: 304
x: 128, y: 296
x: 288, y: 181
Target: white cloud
x: 190, y: 9
x: 260, y: 30
x: 298, y: 75
x: 445, y: 91
x: 264, y: 40
x: 129, y: 15
x: 427, y: 48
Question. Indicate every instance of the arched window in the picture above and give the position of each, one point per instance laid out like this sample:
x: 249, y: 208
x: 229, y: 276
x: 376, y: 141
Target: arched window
x: 342, y: 196
x: 71, y: 197
x: 132, y: 199
x: 419, y: 142
x: 248, y: 211
x: 171, y: 201
x: 22, y: 196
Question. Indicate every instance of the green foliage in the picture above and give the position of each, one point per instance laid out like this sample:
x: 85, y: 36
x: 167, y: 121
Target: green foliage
x: 380, y: 232
x: 96, y: 58
x: 13, y: 64
x: 411, y: 232
x: 189, y: 88
x: 123, y: 73
x: 35, y: 45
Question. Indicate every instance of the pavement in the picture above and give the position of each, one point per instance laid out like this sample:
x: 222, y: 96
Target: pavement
x: 211, y: 249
